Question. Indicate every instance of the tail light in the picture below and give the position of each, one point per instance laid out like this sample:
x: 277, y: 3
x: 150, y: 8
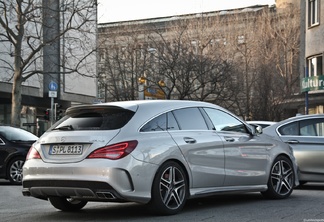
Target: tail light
x: 33, y: 154
x: 115, y: 151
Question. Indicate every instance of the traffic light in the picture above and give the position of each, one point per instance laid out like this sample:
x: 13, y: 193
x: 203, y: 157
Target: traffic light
x: 58, y: 111
x: 59, y: 114
x: 47, y: 114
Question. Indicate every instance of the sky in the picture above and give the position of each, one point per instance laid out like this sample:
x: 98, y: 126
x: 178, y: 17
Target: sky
x: 124, y: 10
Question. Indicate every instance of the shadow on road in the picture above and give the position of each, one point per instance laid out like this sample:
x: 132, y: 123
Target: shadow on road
x: 311, y: 186
x: 6, y: 183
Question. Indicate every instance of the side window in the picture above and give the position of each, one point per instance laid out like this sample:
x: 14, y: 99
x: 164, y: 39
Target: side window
x: 225, y: 122
x: 157, y: 124
x: 312, y: 127
x: 190, y: 119
x: 309, y: 127
x: 172, y: 123
x: 290, y: 129
x: 161, y: 123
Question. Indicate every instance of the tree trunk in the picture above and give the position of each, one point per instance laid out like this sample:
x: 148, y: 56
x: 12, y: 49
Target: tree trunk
x: 18, y: 79
x: 16, y: 99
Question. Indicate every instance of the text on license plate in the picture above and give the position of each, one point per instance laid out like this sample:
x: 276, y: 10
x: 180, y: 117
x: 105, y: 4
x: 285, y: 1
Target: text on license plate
x: 66, y: 149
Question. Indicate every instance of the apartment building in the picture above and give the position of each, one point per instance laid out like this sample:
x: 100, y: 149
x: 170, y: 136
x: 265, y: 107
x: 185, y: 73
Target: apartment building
x: 312, y: 79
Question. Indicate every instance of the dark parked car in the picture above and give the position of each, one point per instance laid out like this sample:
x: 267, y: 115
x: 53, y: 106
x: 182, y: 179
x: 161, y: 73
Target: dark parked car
x: 305, y: 134
x: 155, y: 152
x: 14, y: 146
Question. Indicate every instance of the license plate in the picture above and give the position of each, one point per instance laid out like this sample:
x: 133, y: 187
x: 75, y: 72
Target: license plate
x: 66, y: 149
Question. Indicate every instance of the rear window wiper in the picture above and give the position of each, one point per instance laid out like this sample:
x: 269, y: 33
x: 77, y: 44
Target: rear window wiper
x: 67, y: 127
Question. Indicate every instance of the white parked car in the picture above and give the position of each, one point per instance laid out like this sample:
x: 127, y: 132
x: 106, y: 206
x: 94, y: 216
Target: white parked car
x: 157, y: 152
x: 263, y: 124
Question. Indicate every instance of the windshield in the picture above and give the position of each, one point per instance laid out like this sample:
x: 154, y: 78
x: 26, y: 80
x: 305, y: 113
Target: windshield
x: 16, y: 134
x: 110, y: 118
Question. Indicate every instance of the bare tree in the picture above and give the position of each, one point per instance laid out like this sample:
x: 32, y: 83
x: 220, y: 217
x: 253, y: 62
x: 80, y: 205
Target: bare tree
x: 190, y: 61
x: 244, y: 61
x: 22, y: 37
x: 124, y: 57
x: 278, y: 74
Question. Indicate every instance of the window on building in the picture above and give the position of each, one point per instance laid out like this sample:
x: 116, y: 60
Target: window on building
x: 313, y: 12
x: 240, y: 39
x: 315, y: 66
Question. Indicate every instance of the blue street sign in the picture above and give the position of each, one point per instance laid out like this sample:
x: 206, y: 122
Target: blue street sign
x: 53, y: 86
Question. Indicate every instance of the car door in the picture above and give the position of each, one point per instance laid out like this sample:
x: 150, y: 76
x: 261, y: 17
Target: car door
x: 3, y: 156
x: 246, y: 155
x: 306, y: 137
x: 201, y: 147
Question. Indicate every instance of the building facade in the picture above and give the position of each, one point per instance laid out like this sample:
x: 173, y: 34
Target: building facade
x: 56, y: 74
x: 225, y: 57
x: 312, y: 79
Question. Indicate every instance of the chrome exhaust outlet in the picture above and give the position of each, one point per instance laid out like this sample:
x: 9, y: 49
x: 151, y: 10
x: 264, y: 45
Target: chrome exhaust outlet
x: 106, y: 195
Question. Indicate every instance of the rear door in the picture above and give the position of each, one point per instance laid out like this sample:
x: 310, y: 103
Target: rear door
x: 201, y: 147
x: 306, y: 137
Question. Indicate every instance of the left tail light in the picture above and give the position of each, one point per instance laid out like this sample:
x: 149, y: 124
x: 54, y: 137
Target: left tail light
x: 33, y: 154
x: 115, y: 151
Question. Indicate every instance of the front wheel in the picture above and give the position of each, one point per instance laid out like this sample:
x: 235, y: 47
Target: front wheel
x: 281, y: 179
x: 169, y: 189
x: 67, y: 204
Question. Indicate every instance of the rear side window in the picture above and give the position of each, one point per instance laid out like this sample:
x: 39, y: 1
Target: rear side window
x: 290, y: 129
x: 190, y: 119
x: 96, y: 119
x: 163, y: 122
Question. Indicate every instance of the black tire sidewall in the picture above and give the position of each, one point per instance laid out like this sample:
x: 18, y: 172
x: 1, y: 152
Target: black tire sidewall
x: 63, y: 204
x: 271, y: 193
x: 156, y: 204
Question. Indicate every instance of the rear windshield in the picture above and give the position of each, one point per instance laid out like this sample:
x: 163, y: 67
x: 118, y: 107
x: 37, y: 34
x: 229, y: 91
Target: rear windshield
x: 95, y: 119
x: 16, y: 134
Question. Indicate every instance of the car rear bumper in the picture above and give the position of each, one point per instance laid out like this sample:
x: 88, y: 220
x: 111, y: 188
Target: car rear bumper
x: 87, y: 190
x: 92, y: 180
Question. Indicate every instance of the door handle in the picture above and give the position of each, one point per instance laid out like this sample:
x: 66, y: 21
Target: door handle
x: 229, y: 139
x: 189, y: 140
x: 293, y: 141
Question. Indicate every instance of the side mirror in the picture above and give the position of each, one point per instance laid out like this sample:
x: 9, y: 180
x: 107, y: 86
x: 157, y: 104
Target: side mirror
x: 255, y: 129
x: 258, y: 129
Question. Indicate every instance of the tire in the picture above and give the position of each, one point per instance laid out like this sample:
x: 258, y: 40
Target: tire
x: 14, y: 170
x: 67, y: 204
x: 169, y: 189
x: 281, y: 179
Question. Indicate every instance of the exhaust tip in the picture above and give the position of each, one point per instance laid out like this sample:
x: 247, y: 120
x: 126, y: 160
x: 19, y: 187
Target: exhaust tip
x: 106, y: 195
x: 26, y: 192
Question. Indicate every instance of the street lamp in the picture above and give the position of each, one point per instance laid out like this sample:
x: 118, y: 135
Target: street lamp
x: 141, y: 83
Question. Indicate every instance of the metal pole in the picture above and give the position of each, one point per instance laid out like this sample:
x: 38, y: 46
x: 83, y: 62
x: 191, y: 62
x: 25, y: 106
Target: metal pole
x: 306, y: 93
x: 141, y: 91
x: 51, y: 114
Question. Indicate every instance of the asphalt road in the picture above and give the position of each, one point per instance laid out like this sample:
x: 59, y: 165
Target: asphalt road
x: 306, y: 204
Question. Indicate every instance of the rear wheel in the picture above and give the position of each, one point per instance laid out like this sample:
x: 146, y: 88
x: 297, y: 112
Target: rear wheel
x: 281, y: 180
x: 67, y: 204
x: 169, y: 190
x: 14, y: 170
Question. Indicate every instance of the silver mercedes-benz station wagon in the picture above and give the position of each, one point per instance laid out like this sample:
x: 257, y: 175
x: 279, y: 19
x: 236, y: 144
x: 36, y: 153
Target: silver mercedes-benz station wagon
x: 154, y: 152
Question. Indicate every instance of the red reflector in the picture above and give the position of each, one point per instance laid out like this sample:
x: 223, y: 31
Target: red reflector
x: 115, y: 151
